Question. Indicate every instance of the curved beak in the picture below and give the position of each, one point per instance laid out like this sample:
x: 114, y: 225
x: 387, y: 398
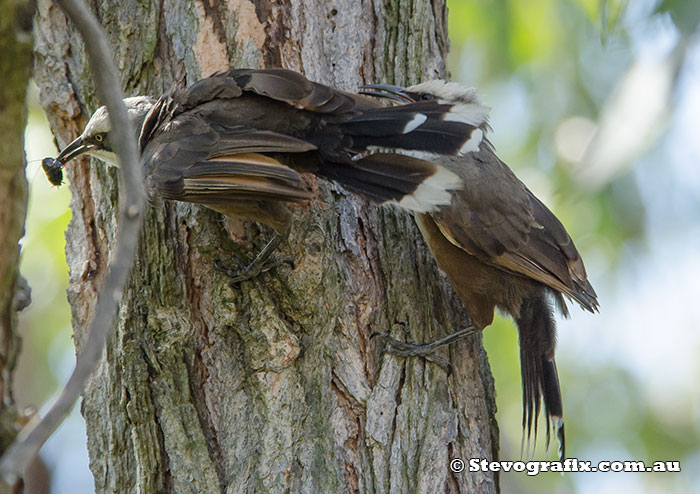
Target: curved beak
x: 396, y: 93
x: 73, y: 150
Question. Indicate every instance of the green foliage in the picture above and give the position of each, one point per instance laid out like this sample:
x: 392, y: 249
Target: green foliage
x: 45, y: 324
x: 564, y: 59
x: 685, y: 14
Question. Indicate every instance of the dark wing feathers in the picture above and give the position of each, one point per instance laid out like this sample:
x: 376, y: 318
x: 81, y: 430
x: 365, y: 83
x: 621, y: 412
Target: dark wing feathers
x: 222, y: 189
x: 382, y: 177
x: 298, y: 91
x: 193, y: 162
x: 327, y: 111
x: 557, y: 236
x: 218, y: 86
x: 410, y: 169
x: 251, y: 164
x: 281, y: 84
x: 436, y: 137
x: 242, y: 139
x: 419, y: 126
x: 233, y: 178
x: 281, y: 112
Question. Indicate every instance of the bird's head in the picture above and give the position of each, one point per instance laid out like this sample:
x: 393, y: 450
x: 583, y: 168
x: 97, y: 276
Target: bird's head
x: 466, y: 105
x: 445, y: 92
x: 95, y: 139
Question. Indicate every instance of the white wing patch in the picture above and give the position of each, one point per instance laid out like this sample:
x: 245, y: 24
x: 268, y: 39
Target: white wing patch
x: 472, y: 145
x: 414, y: 123
x: 432, y: 193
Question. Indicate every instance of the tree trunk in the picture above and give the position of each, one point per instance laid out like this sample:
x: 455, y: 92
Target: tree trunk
x: 274, y: 386
x: 15, y: 67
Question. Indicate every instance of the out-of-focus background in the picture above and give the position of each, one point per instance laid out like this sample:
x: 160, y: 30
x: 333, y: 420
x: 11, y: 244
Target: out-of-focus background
x: 596, y: 106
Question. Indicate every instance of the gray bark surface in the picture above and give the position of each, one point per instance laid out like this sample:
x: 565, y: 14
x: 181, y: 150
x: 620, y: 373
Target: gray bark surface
x: 274, y: 386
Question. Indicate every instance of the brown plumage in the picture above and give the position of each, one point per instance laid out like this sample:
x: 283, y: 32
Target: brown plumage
x: 502, y: 248
x: 245, y: 135
x: 237, y: 142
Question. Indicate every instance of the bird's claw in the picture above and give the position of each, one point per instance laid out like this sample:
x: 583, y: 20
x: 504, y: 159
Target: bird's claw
x: 400, y: 348
x: 244, y: 271
x: 423, y: 350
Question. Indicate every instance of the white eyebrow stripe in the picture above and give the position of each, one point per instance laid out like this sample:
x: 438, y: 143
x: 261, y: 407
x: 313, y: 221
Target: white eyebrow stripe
x: 468, y: 113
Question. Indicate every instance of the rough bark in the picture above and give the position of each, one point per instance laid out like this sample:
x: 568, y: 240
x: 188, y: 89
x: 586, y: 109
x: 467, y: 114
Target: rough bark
x: 15, y: 67
x: 274, y: 386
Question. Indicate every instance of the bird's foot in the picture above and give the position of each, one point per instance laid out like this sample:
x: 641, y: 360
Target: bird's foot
x: 240, y: 270
x: 424, y: 350
x: 246, y: 270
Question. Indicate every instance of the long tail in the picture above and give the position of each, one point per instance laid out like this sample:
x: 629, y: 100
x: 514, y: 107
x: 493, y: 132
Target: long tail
x: 451, y: 129
x: 539, y: 371
x: 411, y: 183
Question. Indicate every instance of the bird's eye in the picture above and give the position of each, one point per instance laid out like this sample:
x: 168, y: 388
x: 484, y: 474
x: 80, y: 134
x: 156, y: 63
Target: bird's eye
x: 99, y: 137
x: 427, y: 97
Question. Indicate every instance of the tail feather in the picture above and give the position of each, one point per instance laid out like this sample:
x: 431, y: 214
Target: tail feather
x: 427, y: 126
x: 539, y: 371
x: 412, y: 183
x: 551, y: 395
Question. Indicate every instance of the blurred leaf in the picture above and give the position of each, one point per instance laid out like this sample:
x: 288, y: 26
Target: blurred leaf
x: 486, y: 23
x: 606, y: 13
x: 549, y: 54
x: 685, y: 14
x: 610, y: 14
x: 590, y: 7
x: 535, y: 29
x: 632, y: 119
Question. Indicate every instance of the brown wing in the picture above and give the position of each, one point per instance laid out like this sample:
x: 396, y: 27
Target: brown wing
x: 282, y: 85
x: 339, y: 123
x: 298, y: 91
x: 279, y: 101
x: 242, y: 176
x: 498, y: 220
x: 193, y: 162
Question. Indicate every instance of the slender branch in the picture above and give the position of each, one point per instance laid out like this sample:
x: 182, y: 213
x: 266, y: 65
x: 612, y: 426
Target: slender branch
x: 20, y: 454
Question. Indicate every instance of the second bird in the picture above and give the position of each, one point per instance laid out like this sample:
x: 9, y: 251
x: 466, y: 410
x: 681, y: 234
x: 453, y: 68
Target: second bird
x: 502, y: 248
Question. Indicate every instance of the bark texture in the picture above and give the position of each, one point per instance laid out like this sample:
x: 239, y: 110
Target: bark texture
x: 274, y: 386
x: 15, y: 67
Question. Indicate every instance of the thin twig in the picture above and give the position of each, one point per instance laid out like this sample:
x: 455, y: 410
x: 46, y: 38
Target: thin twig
x: 21, y: 453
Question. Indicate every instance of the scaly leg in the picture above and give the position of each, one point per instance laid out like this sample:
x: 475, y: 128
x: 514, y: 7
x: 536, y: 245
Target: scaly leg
x: 260, y: 264
x: 270, y: 213
x: 424, y: 350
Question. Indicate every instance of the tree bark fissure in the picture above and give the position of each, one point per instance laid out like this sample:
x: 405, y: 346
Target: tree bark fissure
x: 274, y: 385
x: 198, y: 370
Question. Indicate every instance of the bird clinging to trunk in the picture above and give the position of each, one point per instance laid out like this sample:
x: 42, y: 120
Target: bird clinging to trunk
x: 237, y: 142
x: 501, y: 248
